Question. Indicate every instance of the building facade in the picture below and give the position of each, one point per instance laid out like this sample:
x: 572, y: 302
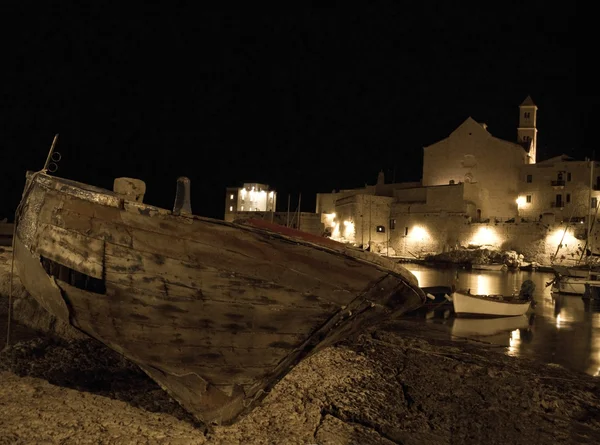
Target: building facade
x: 560, y: 189
x: 252, y: 197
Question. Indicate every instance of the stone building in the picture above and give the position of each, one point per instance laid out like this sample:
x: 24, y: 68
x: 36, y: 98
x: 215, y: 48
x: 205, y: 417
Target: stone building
x: 559, y: 189
x: 472, y: 155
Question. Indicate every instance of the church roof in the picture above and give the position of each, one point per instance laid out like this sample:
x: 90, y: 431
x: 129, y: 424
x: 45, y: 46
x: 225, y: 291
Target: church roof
x: 528, y: 102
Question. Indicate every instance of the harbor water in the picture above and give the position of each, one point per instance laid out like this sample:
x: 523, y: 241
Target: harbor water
x: 561, y: 329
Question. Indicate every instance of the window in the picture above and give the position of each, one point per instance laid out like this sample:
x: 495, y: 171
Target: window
x: 568, y: 197
x: 406, y: 231
x: 242, y: 208
x: 526, y: 115
x: 528, y: 199
x: 231, y: 197
x: 231, y: 208
x: 392, y: 224
x: 568, y: 176
x: 529, y: 178
x: 594, y: 202
x: 381, y: 229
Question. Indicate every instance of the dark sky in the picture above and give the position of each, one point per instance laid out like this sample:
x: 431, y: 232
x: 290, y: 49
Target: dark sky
x: 304, y: 98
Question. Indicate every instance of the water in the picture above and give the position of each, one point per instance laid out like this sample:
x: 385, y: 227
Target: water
x: 562, y: 329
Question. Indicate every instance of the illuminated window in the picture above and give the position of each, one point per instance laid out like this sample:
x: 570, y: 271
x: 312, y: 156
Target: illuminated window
x: 231, y: 197
x: 381, y: 229
x: 528, y: 198
x: 242, y: 208
x: 231, y: 208
x: 529, y: 178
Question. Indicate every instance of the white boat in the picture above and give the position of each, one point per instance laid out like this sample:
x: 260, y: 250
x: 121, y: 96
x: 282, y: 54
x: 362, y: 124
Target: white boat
x: 492, y: 266
x: 467, y: 304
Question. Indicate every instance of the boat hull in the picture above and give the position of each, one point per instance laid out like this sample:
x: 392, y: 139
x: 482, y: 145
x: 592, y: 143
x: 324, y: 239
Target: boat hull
x: 478, y: 305
x: 573, y: 271
x: 572, y: 285
x: 217, y: 313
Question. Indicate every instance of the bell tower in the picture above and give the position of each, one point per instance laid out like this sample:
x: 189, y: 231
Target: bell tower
x: 527, y: 131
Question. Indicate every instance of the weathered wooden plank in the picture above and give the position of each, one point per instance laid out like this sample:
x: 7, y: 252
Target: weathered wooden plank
x: 135, y: 312
x: 165, y: 247
x: 176, y: 279
x: 71, y: 249
x: 138, y: 260
x: 203, y: 231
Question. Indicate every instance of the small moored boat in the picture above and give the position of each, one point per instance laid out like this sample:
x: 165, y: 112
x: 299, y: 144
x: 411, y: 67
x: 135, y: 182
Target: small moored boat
x: 467, y: 304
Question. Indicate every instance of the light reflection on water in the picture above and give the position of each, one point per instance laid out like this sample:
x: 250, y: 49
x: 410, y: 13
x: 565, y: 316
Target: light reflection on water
x: 562, y: 329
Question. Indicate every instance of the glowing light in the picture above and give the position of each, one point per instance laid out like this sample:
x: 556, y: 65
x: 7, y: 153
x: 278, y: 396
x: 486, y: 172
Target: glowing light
x: 557, y: 235
x: 335, y: 234
x: 349, y: 231
x: 521, y: 200
x: 328, y: 219
x: 485, y: 236
x: 558, y: 321
x: 231, y: 197
x: 231, y: 208
x: 419, y: 233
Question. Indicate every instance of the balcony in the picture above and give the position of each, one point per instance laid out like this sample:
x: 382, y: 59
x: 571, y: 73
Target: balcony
x: 557, y: 205
x: 558, y: 183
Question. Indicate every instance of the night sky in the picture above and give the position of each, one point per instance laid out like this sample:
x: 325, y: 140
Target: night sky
x: 304, y: 98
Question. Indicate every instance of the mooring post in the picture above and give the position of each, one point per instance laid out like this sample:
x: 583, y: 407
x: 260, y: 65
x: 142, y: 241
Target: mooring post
x: 183, y: 204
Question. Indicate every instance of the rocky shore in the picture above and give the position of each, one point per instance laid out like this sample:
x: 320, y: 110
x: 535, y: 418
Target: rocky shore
x: 402, y: 383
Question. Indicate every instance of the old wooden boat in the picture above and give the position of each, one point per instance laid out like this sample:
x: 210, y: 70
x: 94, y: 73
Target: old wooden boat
x: 467, y: 304
x: 215, y: 312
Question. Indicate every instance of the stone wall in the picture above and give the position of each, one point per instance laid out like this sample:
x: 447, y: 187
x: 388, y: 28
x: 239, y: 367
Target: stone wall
x: 422, y: 234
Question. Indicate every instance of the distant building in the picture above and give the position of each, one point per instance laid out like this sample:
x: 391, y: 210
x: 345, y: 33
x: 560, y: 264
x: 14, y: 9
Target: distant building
x: 471, y: 155
x: 252, y: 197
x: 559, y: 189
x: 258, y: 201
